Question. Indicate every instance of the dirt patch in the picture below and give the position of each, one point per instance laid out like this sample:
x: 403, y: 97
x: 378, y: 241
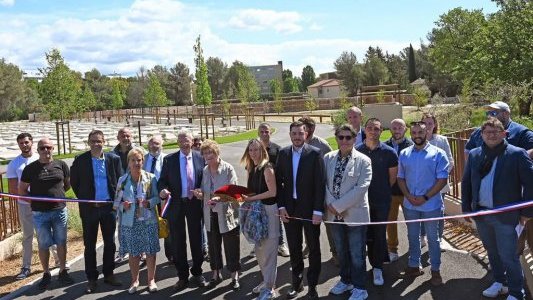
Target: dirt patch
x: 11, y: 266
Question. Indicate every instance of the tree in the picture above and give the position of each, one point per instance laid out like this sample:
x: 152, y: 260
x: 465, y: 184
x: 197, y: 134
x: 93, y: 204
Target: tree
x: 412, y: 65
x: 203, y: 90
x: 240, y: 83
x: 154, y: 95
x: 13, y: 91
x: 397, y: 67
x: 60, y: 87
x: 375, y: 71
x: 349, y: 71
x: 216, y: 71
x: 454, y: 44
x: 180, y: 84
x: 290, y: 85
x: 275, y: 89
x: 88, y: 102
x: 308, y: 77
x: 119, y: 87
x: 421, y: 96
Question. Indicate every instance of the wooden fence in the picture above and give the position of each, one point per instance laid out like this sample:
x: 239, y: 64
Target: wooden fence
x: 9, y: 221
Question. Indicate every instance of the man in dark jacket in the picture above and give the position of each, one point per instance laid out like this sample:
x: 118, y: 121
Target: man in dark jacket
x: 93, y: 176
x: 498, y: 174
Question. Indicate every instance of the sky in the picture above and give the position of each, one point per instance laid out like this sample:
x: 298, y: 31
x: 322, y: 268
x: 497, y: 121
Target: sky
x: 120, y: 36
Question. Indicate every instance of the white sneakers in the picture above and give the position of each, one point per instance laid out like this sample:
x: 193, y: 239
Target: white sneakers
x: 341, y: 288
x: 358, y: 294
x: 378, y: 276
x: 495, y: 290
x: 393, y: 256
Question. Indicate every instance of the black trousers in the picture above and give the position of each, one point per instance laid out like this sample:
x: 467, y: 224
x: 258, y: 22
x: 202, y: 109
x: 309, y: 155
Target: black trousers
x: 377, y: 237
x: 182, y: 209
x: 232, y: 246
x: 295, y: 239
x: 91, y: 218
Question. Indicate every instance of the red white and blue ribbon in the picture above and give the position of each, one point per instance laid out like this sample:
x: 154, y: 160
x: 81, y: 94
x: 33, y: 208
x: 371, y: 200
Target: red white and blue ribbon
x: 496, y: 210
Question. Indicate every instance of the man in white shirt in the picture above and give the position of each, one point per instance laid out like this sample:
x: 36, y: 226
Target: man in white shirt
x: 14, y: 171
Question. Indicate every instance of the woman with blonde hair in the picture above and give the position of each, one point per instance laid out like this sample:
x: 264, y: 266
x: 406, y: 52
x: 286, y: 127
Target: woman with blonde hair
x: 262, y: 182
x: 136, y: 199
x: 221, y: 218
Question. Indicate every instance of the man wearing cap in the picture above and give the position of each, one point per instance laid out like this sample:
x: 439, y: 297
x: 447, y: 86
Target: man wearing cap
x: 517, y: 134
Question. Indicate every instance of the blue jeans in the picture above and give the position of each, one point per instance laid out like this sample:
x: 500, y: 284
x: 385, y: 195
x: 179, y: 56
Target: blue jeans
x: 432, y: 232
x: 51, y: 227
x: 499, y: 239
x: 350, y: 243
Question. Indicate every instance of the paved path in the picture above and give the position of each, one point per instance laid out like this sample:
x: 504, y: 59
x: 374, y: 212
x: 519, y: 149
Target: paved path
x: 464, y: 276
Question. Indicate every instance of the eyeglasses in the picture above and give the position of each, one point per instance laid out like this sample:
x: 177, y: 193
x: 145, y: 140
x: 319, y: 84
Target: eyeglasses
x: 491, y: 132
x: 492, y: 113
x: 343, y: 137
x: 42, y: 148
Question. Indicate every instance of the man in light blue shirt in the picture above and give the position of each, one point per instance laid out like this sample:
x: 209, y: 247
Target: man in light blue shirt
x: 422, y: 173
x: 153, y: 161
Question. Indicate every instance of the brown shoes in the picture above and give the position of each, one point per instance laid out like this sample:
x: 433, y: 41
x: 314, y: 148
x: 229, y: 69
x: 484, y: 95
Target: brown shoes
x: 411, y: 272
x: 436, y: 279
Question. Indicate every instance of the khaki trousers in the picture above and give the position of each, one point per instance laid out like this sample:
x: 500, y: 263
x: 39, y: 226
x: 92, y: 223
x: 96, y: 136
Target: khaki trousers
x: 392, y: 229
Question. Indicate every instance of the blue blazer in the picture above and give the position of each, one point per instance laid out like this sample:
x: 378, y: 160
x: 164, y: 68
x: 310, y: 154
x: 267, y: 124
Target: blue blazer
x: 513, y: 182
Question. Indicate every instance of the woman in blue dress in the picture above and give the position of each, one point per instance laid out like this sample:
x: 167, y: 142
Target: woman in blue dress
x: 136, y: 199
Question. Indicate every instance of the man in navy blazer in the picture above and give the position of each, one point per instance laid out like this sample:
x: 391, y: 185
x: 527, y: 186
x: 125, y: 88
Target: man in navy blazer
x: 301, y: 183
x: 94, y: 175
x: 181, y: 173
x: 497, y: 174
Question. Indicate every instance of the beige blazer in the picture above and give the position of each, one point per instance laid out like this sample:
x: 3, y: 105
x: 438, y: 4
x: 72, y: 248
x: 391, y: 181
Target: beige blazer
x: 228, y: 212
x: 353, y: 201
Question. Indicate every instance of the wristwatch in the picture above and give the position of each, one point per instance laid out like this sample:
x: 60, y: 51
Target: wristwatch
x: 426, y: 197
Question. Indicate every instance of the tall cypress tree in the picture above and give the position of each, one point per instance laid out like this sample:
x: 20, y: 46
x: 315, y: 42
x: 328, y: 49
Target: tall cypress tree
x: 411, y: 67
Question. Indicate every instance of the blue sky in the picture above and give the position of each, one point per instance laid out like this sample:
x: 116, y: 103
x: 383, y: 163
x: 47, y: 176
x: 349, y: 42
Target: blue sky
x: 120, y: 36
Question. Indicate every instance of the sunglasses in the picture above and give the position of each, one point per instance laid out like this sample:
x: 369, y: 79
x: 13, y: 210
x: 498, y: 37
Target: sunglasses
x: 42, y: 148
x: 417, y: 123
x: 343, y: 137
x: 492, y: 113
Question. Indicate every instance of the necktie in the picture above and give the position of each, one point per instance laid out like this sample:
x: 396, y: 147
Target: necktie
x: 154, y: 161
x: 190, y: 186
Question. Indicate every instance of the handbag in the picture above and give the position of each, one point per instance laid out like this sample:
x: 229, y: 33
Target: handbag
x: 163, y: 225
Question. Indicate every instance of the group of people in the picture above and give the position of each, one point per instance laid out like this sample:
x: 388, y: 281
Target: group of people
x: 296, y: 188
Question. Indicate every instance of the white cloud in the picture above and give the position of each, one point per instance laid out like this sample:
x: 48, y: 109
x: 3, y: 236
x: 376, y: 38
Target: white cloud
x: 164, y: 32
x: 7, y: 2
x: 261, y: 19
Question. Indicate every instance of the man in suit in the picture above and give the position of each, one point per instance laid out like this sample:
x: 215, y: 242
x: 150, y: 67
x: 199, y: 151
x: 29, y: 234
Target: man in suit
x: 153, y: 162
x: 499, y: 174
x: 94, y: 175
x: 180, y: 175
x: 354, y: 116
x: 301, y: 186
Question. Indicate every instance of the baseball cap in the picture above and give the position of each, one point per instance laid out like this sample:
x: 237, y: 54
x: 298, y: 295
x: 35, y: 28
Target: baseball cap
x: 499, y: 105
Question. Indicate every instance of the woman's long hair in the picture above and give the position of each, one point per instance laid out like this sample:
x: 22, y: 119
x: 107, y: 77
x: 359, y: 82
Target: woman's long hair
x: 247, y: 161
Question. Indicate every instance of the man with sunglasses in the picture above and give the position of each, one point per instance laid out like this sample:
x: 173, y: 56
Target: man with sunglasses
x: 48, y: 178
x: 517, y: 134
x: 384, y: 171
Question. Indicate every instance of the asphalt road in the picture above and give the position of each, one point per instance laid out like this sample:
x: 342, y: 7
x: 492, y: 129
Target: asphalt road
x: 464, y: 276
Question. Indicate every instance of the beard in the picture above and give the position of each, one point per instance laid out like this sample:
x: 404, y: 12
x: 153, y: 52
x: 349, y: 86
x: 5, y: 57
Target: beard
x: 419, y: 141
